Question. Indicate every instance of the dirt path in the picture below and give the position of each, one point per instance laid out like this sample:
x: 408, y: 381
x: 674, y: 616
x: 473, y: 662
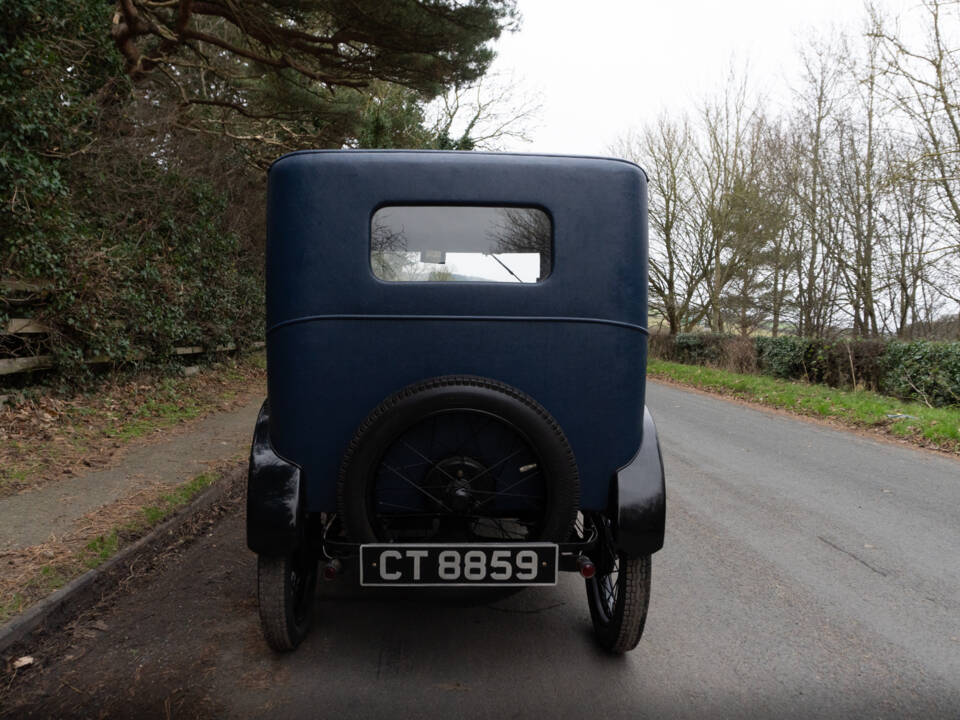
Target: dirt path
x: 74, y: 669
x: 53, y: 510
x: 150, y: 448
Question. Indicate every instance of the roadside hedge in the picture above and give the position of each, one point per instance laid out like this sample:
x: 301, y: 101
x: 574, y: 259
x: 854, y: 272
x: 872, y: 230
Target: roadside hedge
x: 694, y: 349
x: 922, y: 370
x: 928, y: 371
x: 838, y: 363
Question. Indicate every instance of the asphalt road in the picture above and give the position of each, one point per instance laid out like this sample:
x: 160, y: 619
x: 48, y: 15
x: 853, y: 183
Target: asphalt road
x: 808, y: 572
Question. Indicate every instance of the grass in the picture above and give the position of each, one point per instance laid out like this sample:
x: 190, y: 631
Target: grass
x: 52, y: 577
x: 154, y: 415
x: 14, y: 605
x: 153, y: 514
x: 103, y: 547
x: 930, y: 427
x: 13, y: 475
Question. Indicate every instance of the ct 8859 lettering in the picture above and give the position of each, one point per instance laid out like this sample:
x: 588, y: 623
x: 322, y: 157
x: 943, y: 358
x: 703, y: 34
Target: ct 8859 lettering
x: 426, y: 565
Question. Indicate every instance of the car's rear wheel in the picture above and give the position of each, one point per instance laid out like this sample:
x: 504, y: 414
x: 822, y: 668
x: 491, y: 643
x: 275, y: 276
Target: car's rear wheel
x: 458, y: 459
x: 618, y: 594
x: 286, y: 586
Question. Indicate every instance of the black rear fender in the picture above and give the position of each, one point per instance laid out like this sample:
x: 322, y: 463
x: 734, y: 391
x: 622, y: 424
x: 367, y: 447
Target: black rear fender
x: 638, y: 498
x: 274, y: 503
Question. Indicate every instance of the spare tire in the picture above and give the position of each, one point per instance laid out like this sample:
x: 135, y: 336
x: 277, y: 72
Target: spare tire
x: 458, y: 459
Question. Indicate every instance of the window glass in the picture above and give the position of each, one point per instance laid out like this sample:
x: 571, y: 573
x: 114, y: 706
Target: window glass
x: 444, y: 243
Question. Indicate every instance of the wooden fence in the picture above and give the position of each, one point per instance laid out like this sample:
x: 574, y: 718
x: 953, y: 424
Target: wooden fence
x: 24, y: 334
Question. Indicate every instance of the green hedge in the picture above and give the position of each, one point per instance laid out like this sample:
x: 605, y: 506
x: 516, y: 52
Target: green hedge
x: 928, y: 371
x: 783, y: 357
x: 694, y: 349
x: 925, y: 371
x: 838, y: 363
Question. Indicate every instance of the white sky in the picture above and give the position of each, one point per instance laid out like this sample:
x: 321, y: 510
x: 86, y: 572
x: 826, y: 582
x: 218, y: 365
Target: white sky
x: 608, y: 65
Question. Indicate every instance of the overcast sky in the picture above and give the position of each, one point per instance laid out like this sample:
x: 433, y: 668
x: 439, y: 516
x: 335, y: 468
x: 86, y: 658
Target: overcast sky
x: 607, y: 65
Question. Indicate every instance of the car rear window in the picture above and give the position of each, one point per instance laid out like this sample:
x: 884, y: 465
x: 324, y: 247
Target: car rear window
x: 460, y: 243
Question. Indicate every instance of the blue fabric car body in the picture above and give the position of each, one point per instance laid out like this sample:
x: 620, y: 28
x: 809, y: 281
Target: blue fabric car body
x: 456, y: 351
x: 340, y: 340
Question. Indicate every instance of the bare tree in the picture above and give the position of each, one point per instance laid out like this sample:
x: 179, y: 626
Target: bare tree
x: 816, y: 100
x: 677, y: 259
x: 484, y: 115
x: 925, y: 86
x: 906, y: 242
x: 858, y: 189
x: 779, y: 171
x: 757, y: 214
x: 726, y: 169
x: 841, y: 216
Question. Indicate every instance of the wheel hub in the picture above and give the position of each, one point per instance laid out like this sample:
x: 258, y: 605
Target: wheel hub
x: 455, y: 475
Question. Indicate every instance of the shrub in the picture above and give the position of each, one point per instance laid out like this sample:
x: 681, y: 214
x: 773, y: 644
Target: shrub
x: 728, y: 351
x: 783, y: 356
x: 928, y: 371
x: 856, y: 363
x: 698, y: 348
x: 739, y: 355
x: 660, y: 345
x: 838, y: 363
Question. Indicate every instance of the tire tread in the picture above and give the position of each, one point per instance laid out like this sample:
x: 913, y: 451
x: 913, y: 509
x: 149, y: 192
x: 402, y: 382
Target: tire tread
x: 276, y: 615
x: 624, y: 631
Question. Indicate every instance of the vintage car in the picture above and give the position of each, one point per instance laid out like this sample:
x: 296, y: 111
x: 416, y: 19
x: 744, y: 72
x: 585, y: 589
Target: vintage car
x: 456, y: 351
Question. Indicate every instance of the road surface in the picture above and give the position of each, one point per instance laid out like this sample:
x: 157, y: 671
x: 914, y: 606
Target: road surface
x: 808, y: 572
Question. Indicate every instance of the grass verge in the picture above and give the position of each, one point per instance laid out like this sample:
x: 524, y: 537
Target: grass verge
x: 105, y: 546
x: 928, y: 427
x: 38, y: 571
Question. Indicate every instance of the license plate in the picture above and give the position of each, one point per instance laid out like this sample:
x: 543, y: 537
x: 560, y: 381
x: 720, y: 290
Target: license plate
x: 479, y: 565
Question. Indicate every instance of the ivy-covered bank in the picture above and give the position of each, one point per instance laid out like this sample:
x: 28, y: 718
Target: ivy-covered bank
x: 928, y: 372
x: 134, y: 138
x: 134, y: 249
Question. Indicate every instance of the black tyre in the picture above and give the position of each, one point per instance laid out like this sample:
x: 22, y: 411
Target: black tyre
x: 286, y: 587
x: 618, y: 595
x: 458, y: 459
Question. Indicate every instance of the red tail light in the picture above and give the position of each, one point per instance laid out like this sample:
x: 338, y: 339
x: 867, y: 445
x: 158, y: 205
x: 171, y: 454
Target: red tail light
x: 332, y: 569
x: 586, y: 567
